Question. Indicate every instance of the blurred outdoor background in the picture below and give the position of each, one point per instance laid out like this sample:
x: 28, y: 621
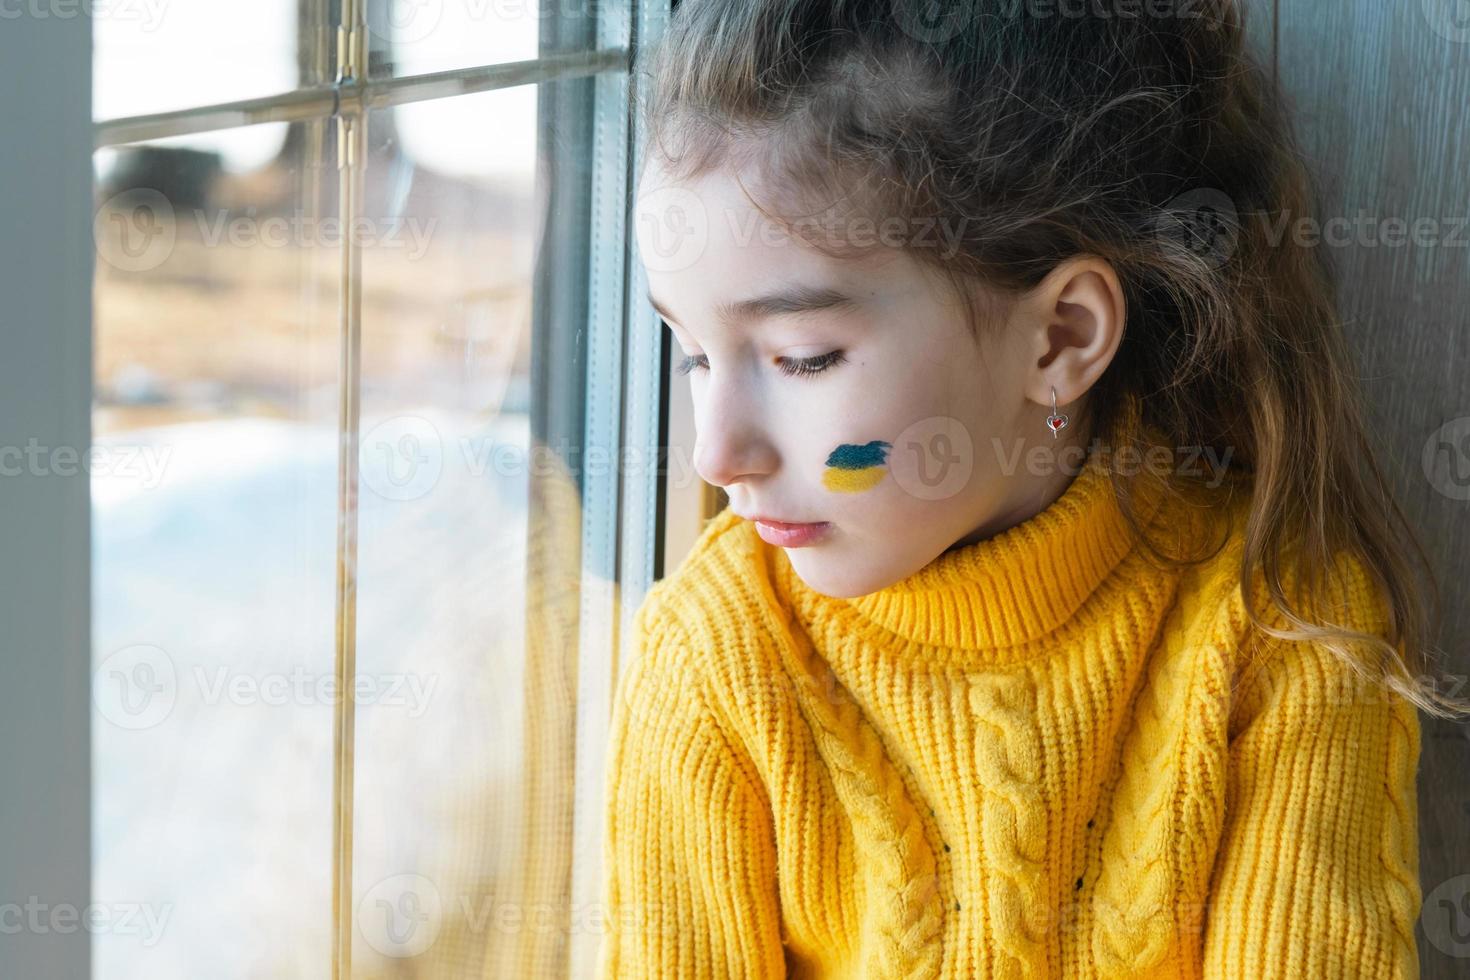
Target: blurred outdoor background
x: 217, y: 380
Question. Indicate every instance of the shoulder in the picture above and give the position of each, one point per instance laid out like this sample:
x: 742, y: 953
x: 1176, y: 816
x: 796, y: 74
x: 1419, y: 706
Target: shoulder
x: 1233, y: 606
x: 711, y: 619
x: 702, y: 657
x: 1238, y: 610
x: 720, y: 589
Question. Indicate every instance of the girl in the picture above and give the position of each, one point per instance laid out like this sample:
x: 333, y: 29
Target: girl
x: 1058, y: 624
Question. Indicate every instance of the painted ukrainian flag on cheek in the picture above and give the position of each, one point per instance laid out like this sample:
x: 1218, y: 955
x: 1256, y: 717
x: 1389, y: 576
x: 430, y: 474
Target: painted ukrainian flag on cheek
x: 854, y: 468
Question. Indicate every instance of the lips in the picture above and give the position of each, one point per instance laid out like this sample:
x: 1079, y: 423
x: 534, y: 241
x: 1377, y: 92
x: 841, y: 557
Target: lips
x: 774, y: 522
x: 787, y: 534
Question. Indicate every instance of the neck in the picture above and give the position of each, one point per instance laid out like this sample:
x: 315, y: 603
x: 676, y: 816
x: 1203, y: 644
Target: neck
x: 1035, y: 495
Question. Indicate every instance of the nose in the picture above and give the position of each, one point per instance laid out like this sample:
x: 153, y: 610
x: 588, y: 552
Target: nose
x: 731, y: 440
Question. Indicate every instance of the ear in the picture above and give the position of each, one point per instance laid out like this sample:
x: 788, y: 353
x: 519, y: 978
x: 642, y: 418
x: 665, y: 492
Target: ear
x: 1076, y: 315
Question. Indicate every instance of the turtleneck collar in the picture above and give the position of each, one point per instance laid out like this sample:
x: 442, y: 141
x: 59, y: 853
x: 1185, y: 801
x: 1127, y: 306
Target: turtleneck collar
x: 1016, y: 585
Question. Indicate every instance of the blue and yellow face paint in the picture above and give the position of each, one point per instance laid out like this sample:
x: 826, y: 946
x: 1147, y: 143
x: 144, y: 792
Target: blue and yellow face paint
x: 853, y: 468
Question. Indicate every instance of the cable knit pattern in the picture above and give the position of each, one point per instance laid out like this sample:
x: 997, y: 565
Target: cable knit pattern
x: 907, y: 917
x: 1400, y: 855
x: 1133, y: 924
x: 1008, y: 761
x: 1041, y: 755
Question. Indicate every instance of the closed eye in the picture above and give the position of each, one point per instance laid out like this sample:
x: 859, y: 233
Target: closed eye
x: 690, y: 363
x: 796, y: 367
x: 807, y: 366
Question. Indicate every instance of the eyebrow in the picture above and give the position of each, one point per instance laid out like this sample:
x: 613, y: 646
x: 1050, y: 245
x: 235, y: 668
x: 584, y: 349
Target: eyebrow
x: 786, y: 302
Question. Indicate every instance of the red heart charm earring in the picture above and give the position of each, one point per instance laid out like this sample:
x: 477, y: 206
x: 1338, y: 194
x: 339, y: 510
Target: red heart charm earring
x: 1056, y: 422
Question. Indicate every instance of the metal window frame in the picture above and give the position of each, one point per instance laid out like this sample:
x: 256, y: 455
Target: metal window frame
x: 46, y: 267
x: 622, y: 519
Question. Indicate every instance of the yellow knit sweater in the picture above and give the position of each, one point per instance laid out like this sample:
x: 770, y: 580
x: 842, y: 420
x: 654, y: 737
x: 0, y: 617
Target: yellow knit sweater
x: 1041, y: 755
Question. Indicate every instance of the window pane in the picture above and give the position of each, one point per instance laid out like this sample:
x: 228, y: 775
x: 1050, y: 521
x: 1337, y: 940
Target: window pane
x: 462, y: 752
x: 414, y: 37
x: 214, y: 517
x: 160, y: 55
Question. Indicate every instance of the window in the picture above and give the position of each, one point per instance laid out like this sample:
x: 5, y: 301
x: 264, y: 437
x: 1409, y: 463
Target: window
x: 381, y: 402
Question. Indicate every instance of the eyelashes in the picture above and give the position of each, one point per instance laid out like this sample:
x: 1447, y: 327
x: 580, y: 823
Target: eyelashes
x: 689, y: 364
x: 795, y: 367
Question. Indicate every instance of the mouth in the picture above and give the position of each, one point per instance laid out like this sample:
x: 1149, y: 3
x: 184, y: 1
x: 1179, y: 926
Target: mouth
x: 788, y: 534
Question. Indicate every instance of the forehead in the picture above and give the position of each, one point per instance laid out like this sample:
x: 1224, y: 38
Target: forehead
x: 705, y: 244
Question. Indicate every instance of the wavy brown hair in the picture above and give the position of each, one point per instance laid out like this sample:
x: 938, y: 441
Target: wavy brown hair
x: 1029, y: 134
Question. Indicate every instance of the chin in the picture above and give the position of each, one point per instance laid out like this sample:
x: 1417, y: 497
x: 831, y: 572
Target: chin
x: 832, y: 576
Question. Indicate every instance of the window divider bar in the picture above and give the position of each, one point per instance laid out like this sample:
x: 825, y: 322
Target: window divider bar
x: 622, y: 509
x: 598, y: 617
x: 354, y: 94
x: 351, y: 164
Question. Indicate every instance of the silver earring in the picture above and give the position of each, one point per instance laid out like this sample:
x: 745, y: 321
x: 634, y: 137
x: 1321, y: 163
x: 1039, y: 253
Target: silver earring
x: 1055, y: 421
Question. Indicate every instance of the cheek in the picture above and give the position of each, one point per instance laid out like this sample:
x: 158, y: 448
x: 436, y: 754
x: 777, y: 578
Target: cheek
x: 856, y: 467
x: 877, y: 413
x: 925, y: 463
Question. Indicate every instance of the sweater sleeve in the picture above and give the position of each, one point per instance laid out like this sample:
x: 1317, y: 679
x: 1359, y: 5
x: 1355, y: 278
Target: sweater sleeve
x: 689, y: 851
x: 1317, y: 871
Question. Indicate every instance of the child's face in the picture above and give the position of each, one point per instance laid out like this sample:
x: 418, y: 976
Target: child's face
x: 901, y: 444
